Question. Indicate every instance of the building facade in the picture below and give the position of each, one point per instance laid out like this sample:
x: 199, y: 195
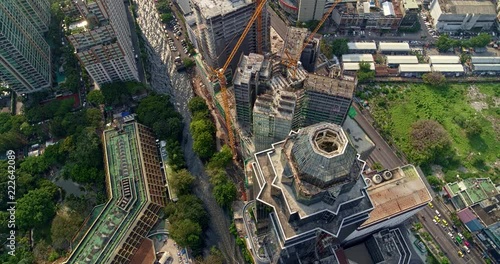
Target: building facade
x: 303, y: 10
x: 102, y: 41
x: 25, y: 61
x: 37, y: 12
x: 452, y: 16
x: 310, y: 195
x: 221, y: 23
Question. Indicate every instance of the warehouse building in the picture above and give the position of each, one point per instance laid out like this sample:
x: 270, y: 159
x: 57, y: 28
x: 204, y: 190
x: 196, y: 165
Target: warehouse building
x: 357, y: 58
x: 483, y: 69
x: 394, y: 61
x: 413, y: 70
x: 444, y: 59
x: 394, y: 48
x: 362, y: 47
x: 451, y: 70
x: 452, y: 16
x: 354, y: 66
x: 485, y: 60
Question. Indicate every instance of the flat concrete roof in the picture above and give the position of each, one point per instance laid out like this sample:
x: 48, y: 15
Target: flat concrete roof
x: 357, y: 58
x: 410, y: 59
x: 362, y: 46
x: 404, y: 192
x: 410, y: 4
x: 472, y: 7
x: 357, y: 136
x: 394, y: 46
x: 472, y: 190
x: 414, y: 68
x: 185, y: 7
x: 213, y: 8
x: 354, y: 66
x: 330, y: 86
x: 444, y: 59
x: 447, y: 68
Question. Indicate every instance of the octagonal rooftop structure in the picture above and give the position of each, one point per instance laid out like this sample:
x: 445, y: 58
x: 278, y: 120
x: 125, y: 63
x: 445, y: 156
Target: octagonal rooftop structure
x: 321, y: 156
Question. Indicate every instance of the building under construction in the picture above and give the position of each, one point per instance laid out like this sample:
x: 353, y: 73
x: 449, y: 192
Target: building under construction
x: 310, y: 195
x: 220, y: 24
x: 272, y: 99
x: 136, y: 187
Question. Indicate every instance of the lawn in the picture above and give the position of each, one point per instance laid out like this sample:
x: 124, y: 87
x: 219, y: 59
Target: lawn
x: 396, y: 107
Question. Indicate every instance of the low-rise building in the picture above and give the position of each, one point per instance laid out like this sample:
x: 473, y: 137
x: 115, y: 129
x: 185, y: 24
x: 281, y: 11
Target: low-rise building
x: 444, y: 59
x: 484, y: 60
x: 410, y: 15
x: 394, y: 61
x: 449, y: 69
x: 394, y: 48
x: 468, y: 15
x: 369, y: 15
x: 357, y: 58
x: 483, y: 69
x: 413, y: 70
x: 362, y: 47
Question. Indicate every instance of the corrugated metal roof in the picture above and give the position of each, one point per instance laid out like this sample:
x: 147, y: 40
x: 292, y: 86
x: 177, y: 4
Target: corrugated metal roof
x: 357, y: 57
x: 414, y: 68
x: 474, y: 225
x: 362, y: 45
x: 485, y: 60
x: 466, y: 215
x: 402, y: 59
x: 394, y: 46
x: 388, y: 9
x: 354, y: 66
x: 447, y: 68
x: 444, y: 59
x: 486, y: 67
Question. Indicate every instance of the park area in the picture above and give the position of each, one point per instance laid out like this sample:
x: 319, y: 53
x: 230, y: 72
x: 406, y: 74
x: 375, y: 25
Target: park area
x: 469, y: 114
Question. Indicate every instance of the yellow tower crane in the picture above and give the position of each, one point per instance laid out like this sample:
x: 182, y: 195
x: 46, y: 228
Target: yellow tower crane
x: 292, y: 62
x: 219, y: 73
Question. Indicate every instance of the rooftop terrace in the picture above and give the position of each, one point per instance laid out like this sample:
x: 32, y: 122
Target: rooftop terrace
x: 127, y: 197
x: 213, y: 8
x: 404, y: 192
x: 473, y: 190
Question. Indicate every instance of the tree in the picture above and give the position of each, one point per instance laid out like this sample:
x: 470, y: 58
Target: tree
x: 93, y: 117
x: 326, y: 48
x: 166, y: 17
x: 225, y: 193
x: 63, y: 228
x: 35, y: 209
x: 444, y: 43
x: 182, y: 181
x: 204, y: 145
x: 339, y: 47
x: 197, y: 104
x: 434, y: 78
x: 435, y: 181
x: 429, y: 139
x: 188, y: 63
x: 186, y: 233
x: 473, y: 127
x: 95, y: 97
x: 365, y: 73
x: 222, y: 158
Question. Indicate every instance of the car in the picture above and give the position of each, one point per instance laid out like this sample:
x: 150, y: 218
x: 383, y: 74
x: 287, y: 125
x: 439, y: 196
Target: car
x: 466, y: 243
x: 430, y: 205
x: 450, y: 234
x: 435, y: 222
x: 437, y: 213
x: 460, y: 254
x: 466, y: 249
x: 460, y: 235
x: 445, y: 223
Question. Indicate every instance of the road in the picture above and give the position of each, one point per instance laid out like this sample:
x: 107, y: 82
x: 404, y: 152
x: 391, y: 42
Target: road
x: 181, y: 91
x: 382, y: 153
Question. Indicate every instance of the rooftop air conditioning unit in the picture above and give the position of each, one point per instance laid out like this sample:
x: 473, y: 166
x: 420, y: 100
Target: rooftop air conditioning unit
x: 387, y: 175
x: 377, y: 179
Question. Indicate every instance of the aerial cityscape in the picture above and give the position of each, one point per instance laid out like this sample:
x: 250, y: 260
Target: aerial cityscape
x: 250, y: 131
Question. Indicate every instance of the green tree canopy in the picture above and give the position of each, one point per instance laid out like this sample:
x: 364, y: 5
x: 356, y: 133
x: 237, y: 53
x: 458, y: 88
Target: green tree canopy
x: 225, y: 193
x: 182, y: 181
x: 204, y: 145
x: 339, y: 47
x: 436, y: 79
x: 35, y: 209
x: 197, y: 104
x: 95, y: 97
x: 221, y: 159
x: 186, y: 233
x: 63, y: 228
x: 365, y: 74
x: 444, y: 43
x: 435, y: 181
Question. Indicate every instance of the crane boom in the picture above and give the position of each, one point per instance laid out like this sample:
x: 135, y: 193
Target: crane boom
x: 222, y: 78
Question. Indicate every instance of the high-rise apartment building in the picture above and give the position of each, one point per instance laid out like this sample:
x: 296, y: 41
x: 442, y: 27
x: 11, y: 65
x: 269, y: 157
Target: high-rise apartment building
x: 221, y: 23
x: 304, y: 10
x: 37, y: 12
x: 102, y: 41
x: 310, y: 195
x: 25, y: 63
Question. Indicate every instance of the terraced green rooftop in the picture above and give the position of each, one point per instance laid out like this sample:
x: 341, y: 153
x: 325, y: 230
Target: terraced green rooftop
x: 127, y: 198
x: 473, y: 190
